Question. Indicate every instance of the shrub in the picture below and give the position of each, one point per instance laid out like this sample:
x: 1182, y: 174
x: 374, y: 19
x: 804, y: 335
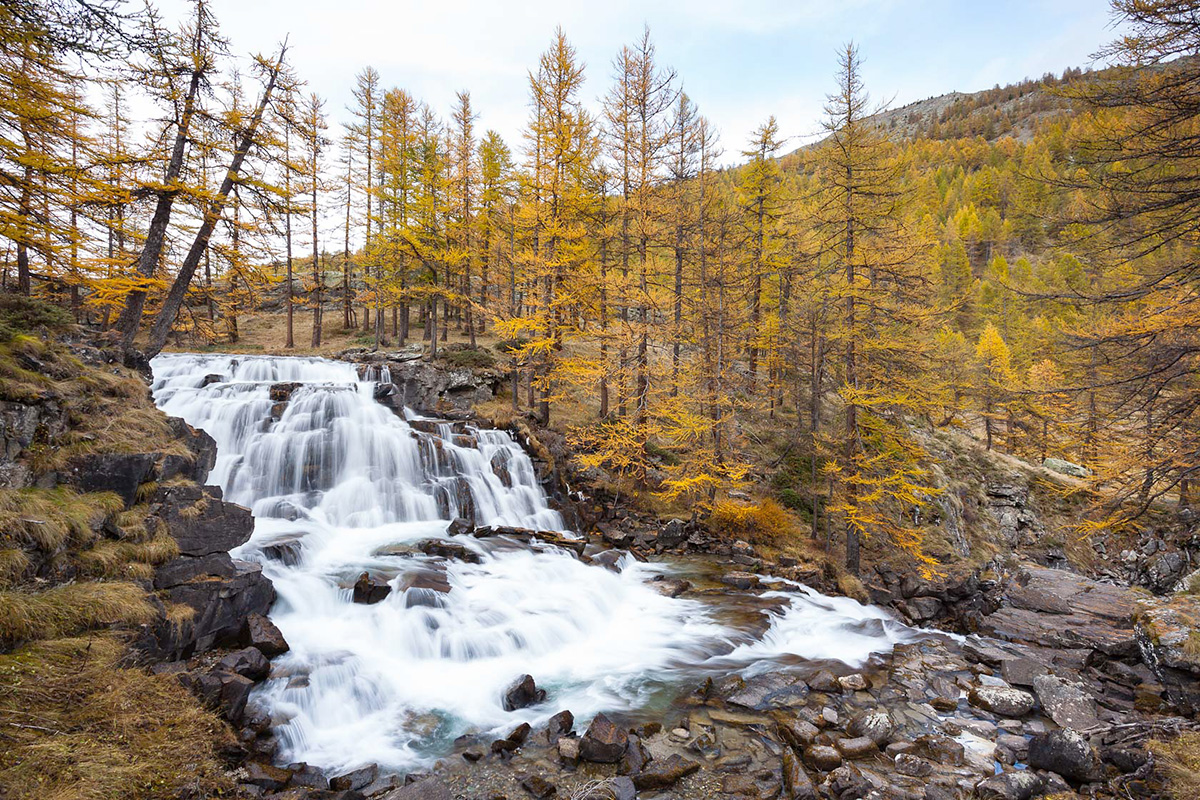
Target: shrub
x: 764, y: 522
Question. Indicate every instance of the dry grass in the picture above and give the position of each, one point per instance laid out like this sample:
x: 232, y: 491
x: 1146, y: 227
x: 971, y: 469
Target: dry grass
x: 70, y: 609
x: 53, y: 518
x: 75, y: 724
x: 1179, y: 759
x: 128, y: 559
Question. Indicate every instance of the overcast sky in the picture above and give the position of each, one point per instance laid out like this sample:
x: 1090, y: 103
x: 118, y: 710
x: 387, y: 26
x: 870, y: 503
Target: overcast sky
x: 740, y: 60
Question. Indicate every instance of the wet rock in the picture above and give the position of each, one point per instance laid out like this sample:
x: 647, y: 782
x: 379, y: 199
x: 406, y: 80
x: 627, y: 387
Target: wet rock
x: 568, y: 749
x: 661, y: 774
x: 847, y: 783
x: 288, y: 551
x: 248, y: 662
x: 1066, y: 703
x: 770, y: 690
x: 282, y: 392
x: 1003, y: 700
x: 538, y: 786
x: 940, y: 749
x: 875, y: 724
x: 259, y: 632
x: 1016, y: 785
x: 795, y: 732
x: 519, y: 734
x: 913, y: 766
x: 740, y: 580
x: 448, y: 550
x: 796, y: 783
x: 853, y: 683
x: 858, y: 747
x: 459, y: 526
x: 636, y: 757
x: 559, y: 726
x: 1067, y: 753
x: 670, y: 587
x: 355, y: 780
x: 523, y: 693
x: 822, y: 757
x: 609, y: 560
x: 824, y: 681
x: 369, y: 590
x: 604, y: 742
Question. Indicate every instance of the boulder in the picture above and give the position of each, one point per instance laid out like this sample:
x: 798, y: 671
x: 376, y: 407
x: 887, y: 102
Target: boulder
x: 1016, y: 785
x: 664, y: 773
x: 369, y: 590
x: 875, y: 724
x: 523, y: 693
x: 559, y: 725
x: 622, y: 788
x: 248, y: 662
x: 201, y: 522
x: 796, y: 733
x: 355, y: 780
x: 459, y: 526
x: 857, y: 747
x: 266, y: 776
x: 822, y: 757
x: 112, y: 472
x: 1066, y: 703
x: 796, y: 783
x: 448, y: 550
x: 604, y: 742
x: 1066, y: 752
x: 913, y: 766
x: 1065, y: 467
x: 259, y: 632
x: 1002, y: 700
x: 740, y: 580
x: 824, y: 681
x: 538, y: 787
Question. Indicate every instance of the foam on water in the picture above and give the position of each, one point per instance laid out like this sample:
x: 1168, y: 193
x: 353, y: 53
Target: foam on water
x: 345, y: 486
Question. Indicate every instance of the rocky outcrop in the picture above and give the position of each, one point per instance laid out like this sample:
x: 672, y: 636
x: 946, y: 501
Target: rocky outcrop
x: 1168, y: 639
x: 425, y: 386
x: 21, y: 425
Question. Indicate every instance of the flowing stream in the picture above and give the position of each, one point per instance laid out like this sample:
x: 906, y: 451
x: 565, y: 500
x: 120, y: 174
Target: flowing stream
x: 340, y: 485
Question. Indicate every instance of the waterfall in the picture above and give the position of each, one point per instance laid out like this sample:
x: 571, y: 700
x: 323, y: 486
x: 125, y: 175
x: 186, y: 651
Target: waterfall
x: 340, y: 485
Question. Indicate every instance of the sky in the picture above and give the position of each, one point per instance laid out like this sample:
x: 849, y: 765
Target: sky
x: 740, y: 60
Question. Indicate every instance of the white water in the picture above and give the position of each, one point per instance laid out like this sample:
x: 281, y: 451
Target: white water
x: 340, y: 477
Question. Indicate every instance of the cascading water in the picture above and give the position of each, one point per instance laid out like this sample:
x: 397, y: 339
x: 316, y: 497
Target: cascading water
x: 339, y: 485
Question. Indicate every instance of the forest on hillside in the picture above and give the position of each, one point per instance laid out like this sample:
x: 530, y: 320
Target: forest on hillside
x: 1023, y: 265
